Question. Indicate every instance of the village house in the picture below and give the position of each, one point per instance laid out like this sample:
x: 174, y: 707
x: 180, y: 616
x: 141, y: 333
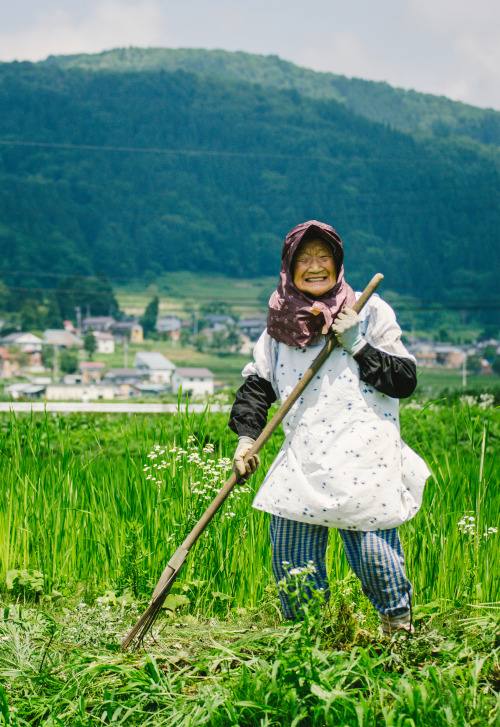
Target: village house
x: 81, y: 392
x: 196, y: 381
x: 149, y: 389
x: 252, y: 327
x: 430, y: 353
x: 25, y: 390
x: 224, y: 320
x: 105, y: 342
x: 126, y: 379
x: 424, y: 353
x: 61, y: 338
x: 130, y: 330
x: 451, y: 357
x: 155, y: 366
x: 97, y: 323
x: 27, y: 342
x: 170, y: 327
x: 124, y: 376
x: 91, y: 371
x: 9, y: 366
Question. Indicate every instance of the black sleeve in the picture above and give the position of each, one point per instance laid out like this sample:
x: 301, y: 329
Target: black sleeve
x: 249, y: 413
x: 391, y: 375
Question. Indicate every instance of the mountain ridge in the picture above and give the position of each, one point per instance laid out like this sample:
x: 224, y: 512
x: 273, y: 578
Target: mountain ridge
x: 407, y: 110
x: 136, y: 174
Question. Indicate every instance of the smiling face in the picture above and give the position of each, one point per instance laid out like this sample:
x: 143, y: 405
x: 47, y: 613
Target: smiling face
x: 314, y: 270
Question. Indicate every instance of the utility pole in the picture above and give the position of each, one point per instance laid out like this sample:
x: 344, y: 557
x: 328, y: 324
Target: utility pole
x: 464, y: 370
x: 125, y: 353
x: 55, y: 369
x: 78, y: 319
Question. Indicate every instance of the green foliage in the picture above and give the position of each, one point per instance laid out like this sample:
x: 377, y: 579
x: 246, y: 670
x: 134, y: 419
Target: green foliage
x: 108, y: 517
x: 60, y: 666
x: 148, y: 320
x: 93, y: 295
x: 404, y: 110
x: 132, y: 573
x: 251, y: 161
x: 26, y: 582
x: 68, y: 361
x: 90, y: 343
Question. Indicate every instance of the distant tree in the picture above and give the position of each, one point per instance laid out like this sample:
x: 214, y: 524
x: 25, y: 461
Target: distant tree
x: 68, y: 361
x: 200, y: 342
x: 474, y: 364
x: 216, y: 307
x: 30, y: 316
x: 48, y: 356
x: 233, y: 339
x: 4, y: 296
x: 20, y: 356
x: 148, y: 320
x: 490, y: 353
x: 185, y: 335
x: 90, y: 344
x: 218, y: 340
x: 94, y: 294
x: 53, y: 318
x: 227, y: 340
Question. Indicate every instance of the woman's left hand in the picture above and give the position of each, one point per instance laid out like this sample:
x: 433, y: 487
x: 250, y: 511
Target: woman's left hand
x: 346, y: 330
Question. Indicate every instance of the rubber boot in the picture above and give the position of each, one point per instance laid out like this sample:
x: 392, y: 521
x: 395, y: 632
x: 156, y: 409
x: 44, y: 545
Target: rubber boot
x: 392, y: 624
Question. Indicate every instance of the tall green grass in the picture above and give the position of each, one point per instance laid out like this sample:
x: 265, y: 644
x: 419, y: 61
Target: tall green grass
x: 83, y: 504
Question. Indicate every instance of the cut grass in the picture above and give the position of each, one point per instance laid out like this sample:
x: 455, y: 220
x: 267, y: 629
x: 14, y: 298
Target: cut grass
x: 79, y: 509
x: 60, y: 666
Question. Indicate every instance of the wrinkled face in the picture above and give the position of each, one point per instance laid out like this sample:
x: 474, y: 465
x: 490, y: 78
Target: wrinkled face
x: 314, y: 270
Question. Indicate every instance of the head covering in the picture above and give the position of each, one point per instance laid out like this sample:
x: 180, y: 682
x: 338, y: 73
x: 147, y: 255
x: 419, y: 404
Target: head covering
x: 293, y: 315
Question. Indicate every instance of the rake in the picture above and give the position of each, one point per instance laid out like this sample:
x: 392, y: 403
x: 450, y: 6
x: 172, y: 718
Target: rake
x: 174, y: 565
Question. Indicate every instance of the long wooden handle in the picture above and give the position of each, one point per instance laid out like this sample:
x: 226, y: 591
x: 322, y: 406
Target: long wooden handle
x: 176, y: 561
x: 276, y: 420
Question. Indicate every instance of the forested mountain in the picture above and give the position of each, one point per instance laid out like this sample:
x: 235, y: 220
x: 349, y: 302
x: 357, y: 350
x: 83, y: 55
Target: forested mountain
x: 404, y: 110
x: 135, y: 169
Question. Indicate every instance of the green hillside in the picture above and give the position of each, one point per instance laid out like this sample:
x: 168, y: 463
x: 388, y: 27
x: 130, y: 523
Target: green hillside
x: 404, y: 110
x: 139, y: 171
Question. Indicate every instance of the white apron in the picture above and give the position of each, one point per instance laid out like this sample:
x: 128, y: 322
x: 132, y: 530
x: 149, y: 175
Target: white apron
x: 343, y: 463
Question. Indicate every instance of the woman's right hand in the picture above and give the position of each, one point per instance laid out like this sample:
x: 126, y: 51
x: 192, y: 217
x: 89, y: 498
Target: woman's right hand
x: 240, y: 467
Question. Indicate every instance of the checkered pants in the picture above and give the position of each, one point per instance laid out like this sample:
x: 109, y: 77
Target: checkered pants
x: 375, y: 557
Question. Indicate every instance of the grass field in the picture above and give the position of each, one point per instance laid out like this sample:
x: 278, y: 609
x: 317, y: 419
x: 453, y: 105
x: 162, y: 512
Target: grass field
x: 89, y: 521
x: 179, y: 291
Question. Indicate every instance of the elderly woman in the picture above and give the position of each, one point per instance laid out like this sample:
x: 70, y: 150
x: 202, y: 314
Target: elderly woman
x: 342, y: 464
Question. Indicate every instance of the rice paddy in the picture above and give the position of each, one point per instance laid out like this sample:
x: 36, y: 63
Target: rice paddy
x: 93, y: 506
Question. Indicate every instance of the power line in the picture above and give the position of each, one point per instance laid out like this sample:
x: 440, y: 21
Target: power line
x: 208, y: 152
x: 429, y: 304
x: 67, y: 185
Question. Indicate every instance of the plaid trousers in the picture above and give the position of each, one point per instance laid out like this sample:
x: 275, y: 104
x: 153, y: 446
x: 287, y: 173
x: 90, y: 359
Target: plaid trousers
x: 376, y: 558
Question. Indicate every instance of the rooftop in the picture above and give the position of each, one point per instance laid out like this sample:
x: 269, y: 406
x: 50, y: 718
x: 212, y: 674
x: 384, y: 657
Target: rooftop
x: 194, y: 372
x: 153, y: 360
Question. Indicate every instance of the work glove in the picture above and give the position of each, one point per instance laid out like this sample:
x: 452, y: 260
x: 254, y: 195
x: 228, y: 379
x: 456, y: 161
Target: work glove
x: 241, y: 468
x: 346, y: 330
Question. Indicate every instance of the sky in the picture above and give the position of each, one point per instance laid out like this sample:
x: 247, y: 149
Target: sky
x: 444, y: 47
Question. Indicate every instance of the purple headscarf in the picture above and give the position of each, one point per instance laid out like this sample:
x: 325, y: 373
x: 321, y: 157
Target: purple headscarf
x: 291, y: 318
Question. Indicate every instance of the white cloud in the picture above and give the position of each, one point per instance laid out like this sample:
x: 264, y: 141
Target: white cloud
x: 452, y: 17
x: 107, y: 25
x: 468, y: 34
x: 446, y: 47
